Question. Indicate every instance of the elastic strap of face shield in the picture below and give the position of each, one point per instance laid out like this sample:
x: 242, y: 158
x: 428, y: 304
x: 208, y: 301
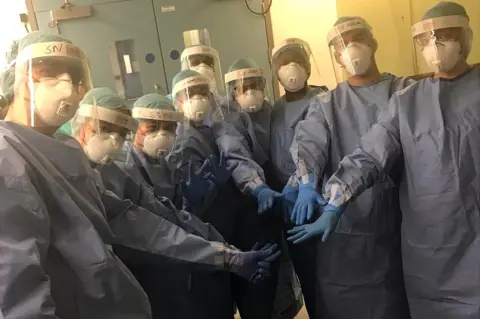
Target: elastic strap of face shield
x: 157, y: 114
x: 292, y: 42
x: 189, y: 82
x: 107, y: 115
x: 243, y: 74
x: 50, y: 49
x: 199, y: 50
x: 440, y: 23
x: 346, y: 26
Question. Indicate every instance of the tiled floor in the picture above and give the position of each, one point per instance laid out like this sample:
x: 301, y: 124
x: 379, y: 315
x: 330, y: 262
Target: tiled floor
x: 301, y: 315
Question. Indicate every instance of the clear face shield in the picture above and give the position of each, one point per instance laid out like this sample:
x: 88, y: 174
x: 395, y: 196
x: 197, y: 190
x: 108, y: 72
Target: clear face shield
x: 294, y: 63
x: 195, y: 99
x: 157, y: 130
x: 51, y: 78
x: 103, y: 131
x: 352, y: 48
x: 443, y: 42
x: 247, y: 88
x: 206, y: 61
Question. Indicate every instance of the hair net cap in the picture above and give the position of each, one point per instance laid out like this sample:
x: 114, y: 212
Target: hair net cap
x: 32, y: 38
x: 445, y: 8
x: 101, y: 97
x: 350, y: 18
x: 66, y: 129
x: 154, y: 101
x: 184, y: 74
x: 245, y: 63
x: 104, y: 97
x: 7, y: 77
x: 295, y: 44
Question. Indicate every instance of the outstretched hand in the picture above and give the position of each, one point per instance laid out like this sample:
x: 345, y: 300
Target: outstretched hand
x: 323, y: 226
x: 221, y: 173
x: 254, y: 265
x: 196, y: 186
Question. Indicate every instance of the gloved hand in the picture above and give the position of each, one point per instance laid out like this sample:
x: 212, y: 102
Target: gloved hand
x: 255, y: 265
x: 290, y: 194
x: 197, y: 184
x: 307, y: 201
x: 323, y: 226
x: 265, y: 197
x: 221, y: 173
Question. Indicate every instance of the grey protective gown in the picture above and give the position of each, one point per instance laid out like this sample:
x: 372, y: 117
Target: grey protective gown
x: 128, y: 183
x: 159, y: 173
x: 246, y: 139
x: 58, y: 225
x: 360, y: 266
x: 196, y: 144
x: 434, y: 128
x: 285, y: 117
x: 166, y: 284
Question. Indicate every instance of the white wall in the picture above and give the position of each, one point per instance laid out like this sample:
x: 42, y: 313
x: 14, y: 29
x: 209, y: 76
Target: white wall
x: 10, y: 25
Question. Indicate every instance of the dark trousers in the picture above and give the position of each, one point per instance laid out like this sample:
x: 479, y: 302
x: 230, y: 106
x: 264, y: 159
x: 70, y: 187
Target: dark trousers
x: 255, y: 301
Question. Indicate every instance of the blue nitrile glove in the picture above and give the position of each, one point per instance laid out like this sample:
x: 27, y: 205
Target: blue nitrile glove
x: 197, y: 184
x: 323, y: 226
x: 265, y: 197
x: 221, y: 173
x: 290, y: 194
x: 307, y: 201
x: 254, y: 265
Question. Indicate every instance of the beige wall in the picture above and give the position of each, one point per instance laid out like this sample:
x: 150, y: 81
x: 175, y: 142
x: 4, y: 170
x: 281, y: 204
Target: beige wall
x: 391, y: 21
x: 309, y: 20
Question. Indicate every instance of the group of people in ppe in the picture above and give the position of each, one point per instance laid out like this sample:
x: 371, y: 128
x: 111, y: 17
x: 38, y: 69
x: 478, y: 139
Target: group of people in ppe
x: 147, y: 211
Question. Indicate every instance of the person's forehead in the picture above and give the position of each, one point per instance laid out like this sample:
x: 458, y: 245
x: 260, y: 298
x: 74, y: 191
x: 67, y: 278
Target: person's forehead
x: 353, y: 34
x: 292, y: 54
x: 448, y: 31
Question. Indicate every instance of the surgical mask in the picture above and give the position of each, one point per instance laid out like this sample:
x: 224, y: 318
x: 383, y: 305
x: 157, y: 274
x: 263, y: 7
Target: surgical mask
x: 158, y: 144
x: 208, y: 72
x: 292, y: 77
x: 251, y: 101
x: 442, y: 55
x: 356, y: 58
x: 196, y: 108
x: 104, y: 148
x: 55, y: 100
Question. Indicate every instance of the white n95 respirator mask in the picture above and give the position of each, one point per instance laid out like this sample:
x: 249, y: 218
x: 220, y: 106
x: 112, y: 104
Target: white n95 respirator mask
x: 158, y: 144
x: 196, y: 108
x: 104, y: 148
x: 292, y: 77
x: 251, y: 100
x: 356, y: 58
x: 55, y: 100
x: 443, y: 56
